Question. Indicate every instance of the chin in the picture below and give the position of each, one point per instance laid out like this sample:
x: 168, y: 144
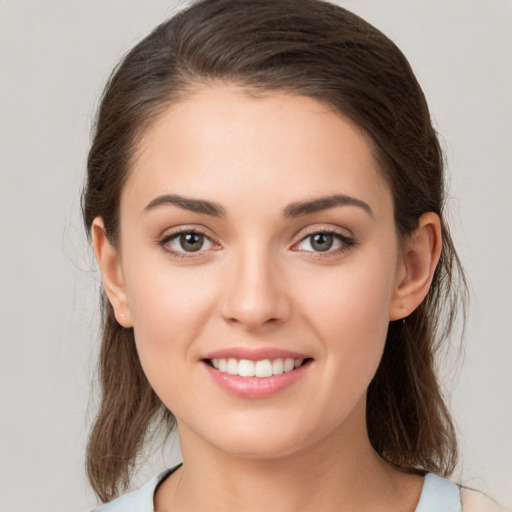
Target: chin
x: 259, y: 449
x: 264, y: 440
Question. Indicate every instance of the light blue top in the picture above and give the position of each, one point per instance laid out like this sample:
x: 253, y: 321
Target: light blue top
x: 438, y: 495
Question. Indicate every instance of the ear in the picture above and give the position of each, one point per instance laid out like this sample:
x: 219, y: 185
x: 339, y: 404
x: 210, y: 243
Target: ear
x: 111, y: 272
x: 416, y: 266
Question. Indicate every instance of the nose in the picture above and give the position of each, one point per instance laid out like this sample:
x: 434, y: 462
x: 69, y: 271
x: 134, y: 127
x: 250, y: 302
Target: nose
x: 255, y: 294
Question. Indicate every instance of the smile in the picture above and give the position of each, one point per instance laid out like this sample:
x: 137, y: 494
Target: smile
x: 262, y: 368
x: 256, y: 374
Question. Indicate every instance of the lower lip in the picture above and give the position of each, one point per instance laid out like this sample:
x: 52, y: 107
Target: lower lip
x: 256, y: 387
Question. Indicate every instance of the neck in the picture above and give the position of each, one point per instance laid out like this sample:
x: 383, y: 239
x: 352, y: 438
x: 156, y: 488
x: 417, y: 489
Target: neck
x: 341, y: 472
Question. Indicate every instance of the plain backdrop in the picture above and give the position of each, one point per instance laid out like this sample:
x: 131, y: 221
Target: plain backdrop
x: 55, y: 56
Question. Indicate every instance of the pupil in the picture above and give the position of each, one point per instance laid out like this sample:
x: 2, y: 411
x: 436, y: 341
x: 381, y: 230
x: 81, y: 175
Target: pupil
x: 191, y: 242
x: 322, y: 242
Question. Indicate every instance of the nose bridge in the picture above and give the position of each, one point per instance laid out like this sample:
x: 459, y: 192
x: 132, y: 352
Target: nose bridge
x: 256, y: 293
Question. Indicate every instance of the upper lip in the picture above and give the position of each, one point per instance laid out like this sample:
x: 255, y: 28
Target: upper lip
x: 253, y: 354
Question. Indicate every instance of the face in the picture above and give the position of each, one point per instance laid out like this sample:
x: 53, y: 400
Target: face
x: 257, y: 235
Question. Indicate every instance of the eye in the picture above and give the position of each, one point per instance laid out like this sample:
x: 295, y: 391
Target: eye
x: 186, y: 242
x: 325, y: 241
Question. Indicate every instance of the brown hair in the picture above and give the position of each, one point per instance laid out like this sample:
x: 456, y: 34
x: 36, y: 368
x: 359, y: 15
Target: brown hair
x: 304, y: 47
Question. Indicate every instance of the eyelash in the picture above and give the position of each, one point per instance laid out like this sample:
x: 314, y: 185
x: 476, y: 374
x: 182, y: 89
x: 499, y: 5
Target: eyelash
x: 177, y: 254
x: 346, y: 243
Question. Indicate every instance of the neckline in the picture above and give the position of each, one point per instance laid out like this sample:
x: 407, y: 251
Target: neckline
x: 437, y: 493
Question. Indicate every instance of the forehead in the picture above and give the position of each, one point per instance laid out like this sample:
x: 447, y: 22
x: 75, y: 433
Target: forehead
x: 277, y: 147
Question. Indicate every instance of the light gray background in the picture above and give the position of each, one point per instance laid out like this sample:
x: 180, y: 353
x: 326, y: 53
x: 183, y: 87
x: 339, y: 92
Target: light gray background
x: 54, y: 58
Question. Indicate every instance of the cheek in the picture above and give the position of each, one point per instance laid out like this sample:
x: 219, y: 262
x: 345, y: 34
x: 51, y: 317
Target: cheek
x: 349, y: 311
x: 169, y: 311
x: 354, y: 298
x: 168, y: 307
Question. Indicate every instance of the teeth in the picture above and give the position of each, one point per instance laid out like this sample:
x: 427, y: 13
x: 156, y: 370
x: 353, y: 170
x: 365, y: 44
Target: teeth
x: 262, y: 368
x: 277, y: 366
x: 232, y: 366
x: 289, y: 365
x: 246, y: 368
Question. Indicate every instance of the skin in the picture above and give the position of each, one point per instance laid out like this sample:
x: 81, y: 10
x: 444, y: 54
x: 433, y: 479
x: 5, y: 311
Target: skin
x: 259, y: 282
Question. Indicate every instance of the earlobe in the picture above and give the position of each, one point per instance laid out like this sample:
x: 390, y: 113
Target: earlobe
x: 416, y: 267
x: 111, y: 272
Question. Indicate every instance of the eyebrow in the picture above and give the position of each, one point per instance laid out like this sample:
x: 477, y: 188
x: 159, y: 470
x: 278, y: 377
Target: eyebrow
x: 187, y: 203
x: 324, y: 203
x: 293, y: 210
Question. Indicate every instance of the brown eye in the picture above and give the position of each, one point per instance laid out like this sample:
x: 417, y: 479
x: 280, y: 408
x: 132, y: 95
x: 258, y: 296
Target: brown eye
x: 191, y: 242
x: 187, y: 242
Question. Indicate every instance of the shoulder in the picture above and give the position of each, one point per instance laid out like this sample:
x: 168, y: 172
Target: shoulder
x: 439, y: 494
x: 474, y: 501
x: 137, y: 501
x: 444, y: 495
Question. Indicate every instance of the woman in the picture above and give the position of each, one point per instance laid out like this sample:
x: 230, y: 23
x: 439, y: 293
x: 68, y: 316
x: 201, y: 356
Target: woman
x: 265, y: 200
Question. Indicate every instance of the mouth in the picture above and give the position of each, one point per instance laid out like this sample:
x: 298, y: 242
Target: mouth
x: 256, y: 374
x: 261, y: 368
